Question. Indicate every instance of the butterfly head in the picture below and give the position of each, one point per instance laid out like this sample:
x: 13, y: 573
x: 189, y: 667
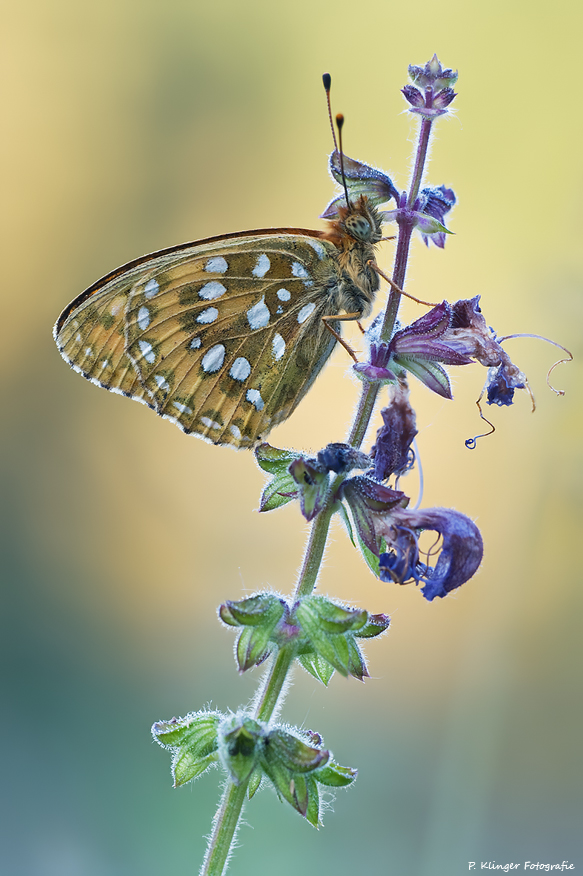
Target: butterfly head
x: 359, y: 222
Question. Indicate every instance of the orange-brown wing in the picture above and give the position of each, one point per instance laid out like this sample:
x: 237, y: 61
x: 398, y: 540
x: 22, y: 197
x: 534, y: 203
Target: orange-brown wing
x: 223, y: 337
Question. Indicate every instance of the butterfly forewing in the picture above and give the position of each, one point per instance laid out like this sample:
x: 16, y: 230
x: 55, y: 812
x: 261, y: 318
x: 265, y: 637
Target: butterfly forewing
x: 223, y: 337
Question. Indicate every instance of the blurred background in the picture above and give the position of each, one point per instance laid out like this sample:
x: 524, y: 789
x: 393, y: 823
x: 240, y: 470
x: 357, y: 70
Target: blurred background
x: 131, y: 126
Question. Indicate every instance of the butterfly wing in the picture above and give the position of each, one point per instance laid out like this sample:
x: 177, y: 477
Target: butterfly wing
x: 223, y: 337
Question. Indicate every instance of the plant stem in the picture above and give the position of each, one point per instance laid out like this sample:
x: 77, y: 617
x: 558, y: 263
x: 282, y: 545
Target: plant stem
x: 225, y: 827
x: 234, y: 796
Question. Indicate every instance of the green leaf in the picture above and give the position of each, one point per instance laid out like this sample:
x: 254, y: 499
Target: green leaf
x: 252, y: 647
x: 186, y: 766
x: 273, y: 460
x: 329, y: 646
x: 336, y: 618
x: 335, y: 776
x: 317, y: 666
x: 341, y: 508
x: 294, y: 753
x: 313, y: 807
x: 197, y: 731
x: 254, y: 783
x: 278, y: 492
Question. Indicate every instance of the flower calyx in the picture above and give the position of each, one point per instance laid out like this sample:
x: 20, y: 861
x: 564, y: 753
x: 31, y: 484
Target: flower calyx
x: 265, y: 623
x: 193, y: 741
x: 321, y: 633
x: 295, y: 762
x: 306, y: 478
x: 328, y: 637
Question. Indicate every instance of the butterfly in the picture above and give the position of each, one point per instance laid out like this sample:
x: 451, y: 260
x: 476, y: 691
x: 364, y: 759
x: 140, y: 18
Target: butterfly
x: 225, y: 336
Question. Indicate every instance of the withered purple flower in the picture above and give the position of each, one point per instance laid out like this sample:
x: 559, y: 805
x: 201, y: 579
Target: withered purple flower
x: 471, y: 336
x: 502, y: 381
x: 459, y: 557
x: 392, y: 451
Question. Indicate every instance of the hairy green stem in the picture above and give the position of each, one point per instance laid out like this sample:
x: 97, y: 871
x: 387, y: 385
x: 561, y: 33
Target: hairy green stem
x: 225, y: 828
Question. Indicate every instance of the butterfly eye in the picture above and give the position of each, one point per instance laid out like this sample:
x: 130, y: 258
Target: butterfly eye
x: 358, y: 227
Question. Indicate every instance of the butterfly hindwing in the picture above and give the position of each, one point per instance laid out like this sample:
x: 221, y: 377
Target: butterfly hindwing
x: 223, y: 337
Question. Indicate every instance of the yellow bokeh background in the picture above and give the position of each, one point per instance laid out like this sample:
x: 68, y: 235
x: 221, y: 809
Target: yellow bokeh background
x: 130, y: 126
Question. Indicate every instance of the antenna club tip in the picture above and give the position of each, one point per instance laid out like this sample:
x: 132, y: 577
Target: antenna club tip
x: 339, y: 120
x: 327, y: 80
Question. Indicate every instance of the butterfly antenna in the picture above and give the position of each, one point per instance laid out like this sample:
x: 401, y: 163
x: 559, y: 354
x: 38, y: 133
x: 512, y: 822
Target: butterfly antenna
x: 340, y: 125
x: 327, y: 80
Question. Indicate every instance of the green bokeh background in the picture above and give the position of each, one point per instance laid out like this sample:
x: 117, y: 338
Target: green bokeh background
x: 130, y: 126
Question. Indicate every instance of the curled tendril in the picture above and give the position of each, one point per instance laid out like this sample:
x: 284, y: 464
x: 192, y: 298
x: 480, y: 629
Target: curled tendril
x: 552, y: 368
x: 471, y: 442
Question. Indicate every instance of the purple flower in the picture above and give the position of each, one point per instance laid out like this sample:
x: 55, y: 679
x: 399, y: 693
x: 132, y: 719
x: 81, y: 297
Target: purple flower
x: 361, y: 179
x: 426, y: 214
x: 459, y: 557
x: 436, y: 202
x: 417, y: 348
x: 367, y: 500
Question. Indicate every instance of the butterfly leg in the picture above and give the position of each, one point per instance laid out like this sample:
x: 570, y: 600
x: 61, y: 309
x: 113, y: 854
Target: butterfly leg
x: 346, y: 316
x: 394, y: 286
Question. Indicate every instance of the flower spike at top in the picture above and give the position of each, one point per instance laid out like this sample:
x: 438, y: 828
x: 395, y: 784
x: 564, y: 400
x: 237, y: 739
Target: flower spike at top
x: 432, y: 75
x: 437, y: 93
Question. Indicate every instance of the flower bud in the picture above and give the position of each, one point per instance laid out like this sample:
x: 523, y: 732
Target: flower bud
x: 261, y: 617
x: 312, y: 482
x: 296, y: 768
x: 241, y: 741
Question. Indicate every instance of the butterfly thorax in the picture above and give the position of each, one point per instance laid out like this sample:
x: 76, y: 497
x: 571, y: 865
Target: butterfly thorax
x: 355, y: 235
